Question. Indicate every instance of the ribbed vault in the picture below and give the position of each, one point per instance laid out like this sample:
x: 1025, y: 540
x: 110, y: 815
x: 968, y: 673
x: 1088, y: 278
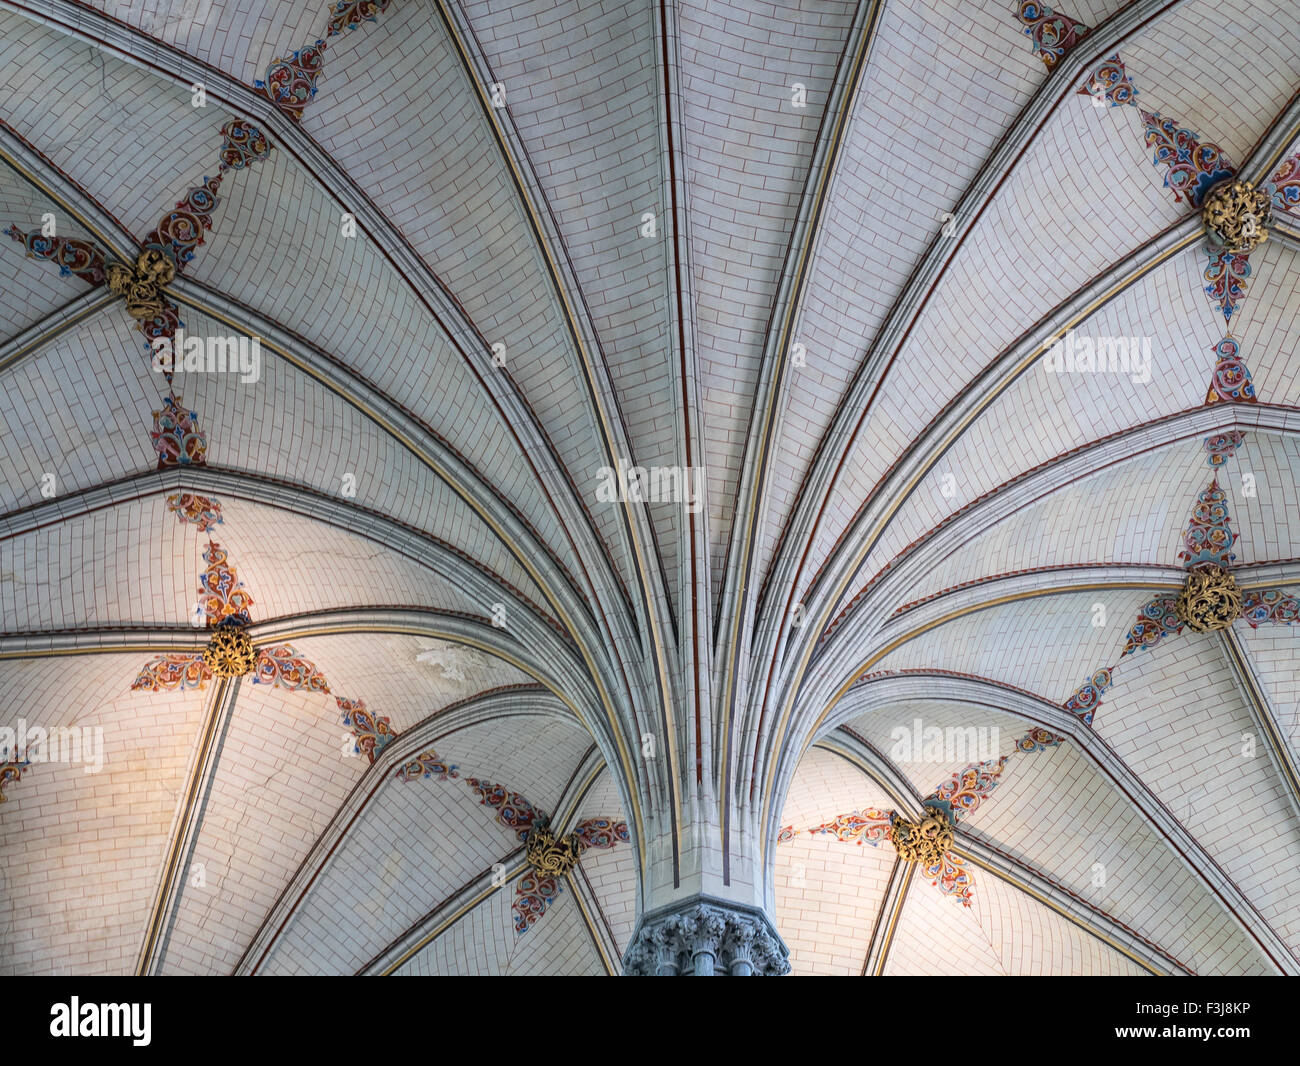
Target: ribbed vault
x: 812, y: 262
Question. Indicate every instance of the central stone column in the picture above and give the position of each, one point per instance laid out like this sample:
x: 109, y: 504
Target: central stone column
x: 706, y: 937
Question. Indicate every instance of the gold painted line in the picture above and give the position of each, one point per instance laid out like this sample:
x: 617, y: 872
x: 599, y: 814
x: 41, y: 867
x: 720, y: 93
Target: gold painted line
x: 1047, y: 901
x: 520, y: 556
x: 578, y: 795
x: 46, y: 338
x: 444, y: 924
x: 901, y: 497
x: 643, y: 570
x: 895, y: 916
x: 1265, y: 171
x: 974, y: 608
x: 104, y: 650
x: 1271, y: 734
x: 591, y: 929
x: 111, y: 244
x: 897, y: 798
x: 792, y: 308
x: 643, y: 567
x: 221, y: 695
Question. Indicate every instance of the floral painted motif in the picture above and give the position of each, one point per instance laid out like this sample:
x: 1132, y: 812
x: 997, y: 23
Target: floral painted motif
x: 1053, y: 35
x: 73, y: 257
x: 533, y: 894
x: 1110, y: 82
x: 1225, y: 277
x: 176, y: 435
x: 173, y: 671
x: 1284, y: 185
x: 1192, y: 168
x: 181, y: 230
x: 164, y: 324
x: 283, y: 666
x: 1156, y: 620
x: 221, y: 592
x: 1230, y: 381
x: 870, y: 825
x: 291, y: 80
x: 201, y: 511
x: 952, y: 877
x: 1223, y: 446
x: 11, y: 769
x: 427, y: 764
x: 1037, y: 739
x: 349, y: 14
x: 373, y: 732
x: 1269, y: 605
x: 1208, y: 538
x: 512, y: 810
x: 601, y: 833
x: 1083, y: 704
x: 967, y: 788
x: 242, y: 145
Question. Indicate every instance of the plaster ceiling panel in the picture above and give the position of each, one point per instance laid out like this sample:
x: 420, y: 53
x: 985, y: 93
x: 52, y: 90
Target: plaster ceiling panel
x: 79, y: 407
x: 1130, y: 512
x: 134, y: 563
x: 746, y: 156
x: 132, y: 142
x: 824, y: 785
x: 1230, y: 100
x: 427, y: 158
x: 913, y: 144
x: 828, y: 896
x: 959, y: 333
x: 278, y: 248
x: 239, y: 37
x: 1044, y: 414
x: 894, y: 731
x: 288, y: 764
x: 479, y: 944
x: 483, y: 943
x: 1177, y: 717
x: 31, y: 289
x: 78, y: 904
x: 1274, y: 654
x: 828, y: 891
x: 964, y: 325
x: 611, y: 872
x: 583, y: 93
x: 1003, y: 932
x: 95, y: 387
x: 1048, y: 645
x: 1054, y: 812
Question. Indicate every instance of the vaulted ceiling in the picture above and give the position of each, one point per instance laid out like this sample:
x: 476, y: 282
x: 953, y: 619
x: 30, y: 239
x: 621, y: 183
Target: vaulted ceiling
x: 820, y: 254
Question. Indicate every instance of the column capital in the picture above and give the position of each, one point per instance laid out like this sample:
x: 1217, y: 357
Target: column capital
x: 706, y: 937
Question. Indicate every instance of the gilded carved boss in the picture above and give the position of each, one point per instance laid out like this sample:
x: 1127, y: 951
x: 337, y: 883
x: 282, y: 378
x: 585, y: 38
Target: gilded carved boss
x: 1237, y: 215
x: 1210, y: 599
x: 549, y: 856
x: 924, y: 841
x: 141, y: 286
x: 230, y: 652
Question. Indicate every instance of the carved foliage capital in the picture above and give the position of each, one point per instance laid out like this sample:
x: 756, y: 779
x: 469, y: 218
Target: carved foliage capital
x: 738, y: 940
